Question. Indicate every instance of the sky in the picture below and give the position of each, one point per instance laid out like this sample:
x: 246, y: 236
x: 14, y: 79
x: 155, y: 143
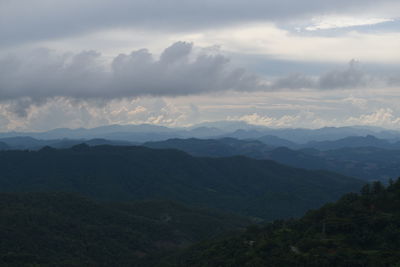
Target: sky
x: 286, y: 63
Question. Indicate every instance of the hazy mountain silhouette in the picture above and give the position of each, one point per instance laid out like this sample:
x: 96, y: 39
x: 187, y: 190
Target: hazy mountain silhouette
x: 354, y: 141
x: 4, y: 146
x: 29, y: 143
x: 367, y: 163
x: 210, y: 130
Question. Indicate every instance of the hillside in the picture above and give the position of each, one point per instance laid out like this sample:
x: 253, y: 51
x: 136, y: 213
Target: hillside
x: 358, y: 230
x: 29, y: 143
x: 58, y: 229
x: 224, y: 147
x: 352, y: 142
x: 366, y: 163
x: 237, y: 184
x: 3, y: 146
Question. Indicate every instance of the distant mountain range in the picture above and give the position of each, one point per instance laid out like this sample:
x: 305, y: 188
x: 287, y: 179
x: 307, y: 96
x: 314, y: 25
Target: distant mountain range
x: 366, y: 158
x: 365, y: 162
x: 29, y: 143
x: 212, y: 130
x: 246, y: 186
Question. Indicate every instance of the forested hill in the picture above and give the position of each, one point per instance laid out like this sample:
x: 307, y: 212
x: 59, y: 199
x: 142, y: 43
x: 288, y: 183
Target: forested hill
x: 60, y: 229
x: 359, y: 230
x: 247, y: 186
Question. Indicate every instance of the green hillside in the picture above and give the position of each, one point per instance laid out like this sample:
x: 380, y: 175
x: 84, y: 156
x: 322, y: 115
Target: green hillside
x: 59, y: 229
x: 358, y: 230
x: 237, y: 184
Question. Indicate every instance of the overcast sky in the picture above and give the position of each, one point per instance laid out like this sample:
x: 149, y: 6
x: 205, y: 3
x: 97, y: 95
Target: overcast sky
x: 285, y: 63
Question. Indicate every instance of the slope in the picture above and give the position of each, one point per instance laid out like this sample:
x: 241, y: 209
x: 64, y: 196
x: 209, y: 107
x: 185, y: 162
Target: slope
x: 358, y: 230
x: 238, y: 184
x: 58, y: 229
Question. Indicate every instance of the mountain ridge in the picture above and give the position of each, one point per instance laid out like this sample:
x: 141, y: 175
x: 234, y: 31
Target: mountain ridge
x: 258, y: 188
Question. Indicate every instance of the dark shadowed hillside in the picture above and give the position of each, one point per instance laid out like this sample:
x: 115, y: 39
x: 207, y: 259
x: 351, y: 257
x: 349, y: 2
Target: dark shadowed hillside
x: 57, y: 229
x: 250, y: 187
x: 3, y: 146
x: 224, y: 147
x: 358, y: 230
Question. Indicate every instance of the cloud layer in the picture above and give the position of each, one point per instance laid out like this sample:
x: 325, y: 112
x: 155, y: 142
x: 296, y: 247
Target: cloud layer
x: 43, y: 74
x: 33, y: 78
x: 73, y: 17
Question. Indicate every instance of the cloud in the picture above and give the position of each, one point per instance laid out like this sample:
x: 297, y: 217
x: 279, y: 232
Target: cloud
x: 270, y: 40
x: 384, y: 117
x: 74, y: 17
x: 36, y: 77
x: 33, y: 78
x: 352, y: 77
x: 348, y: 78
x: 257, y: 119
x: 62, y: 112
x: 334, y: 22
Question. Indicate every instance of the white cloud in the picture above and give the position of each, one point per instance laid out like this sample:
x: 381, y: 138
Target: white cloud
x: 383, y: 117
x: 278, y: 122
x: 269, y: 40
x: 335, y: 22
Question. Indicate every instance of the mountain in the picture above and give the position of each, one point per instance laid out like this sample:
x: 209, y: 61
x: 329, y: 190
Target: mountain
x: 244, y: 134
x: 4, y: 146
x: 358, y: 230
x: 59, y: 229
x: 67, y: 143
x: 23, y: 142
x: 29, y: 143
x: 367, y: 163
x: 224, y: 147
x: 98, y: 132
x: 303, y: 136
x: 209, y: 130
x: 277, y: 142
x: 229, y: 126
x: 353, y: 141
x: 247, y: 186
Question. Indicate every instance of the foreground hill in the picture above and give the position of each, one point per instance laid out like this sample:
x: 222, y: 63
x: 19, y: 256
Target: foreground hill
x: 358, y: 230
x: 58, y: 229
x: 250, y: 187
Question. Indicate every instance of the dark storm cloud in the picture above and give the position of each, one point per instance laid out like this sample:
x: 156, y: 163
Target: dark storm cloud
x: 33, y: 78
x: 44, y: 74
x: 26, y: 20
x: 350, y: 77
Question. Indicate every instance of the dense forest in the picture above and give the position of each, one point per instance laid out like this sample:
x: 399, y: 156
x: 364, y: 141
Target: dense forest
x: 62, y: 229
x: 358, y: 230
x: 258, y: 188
